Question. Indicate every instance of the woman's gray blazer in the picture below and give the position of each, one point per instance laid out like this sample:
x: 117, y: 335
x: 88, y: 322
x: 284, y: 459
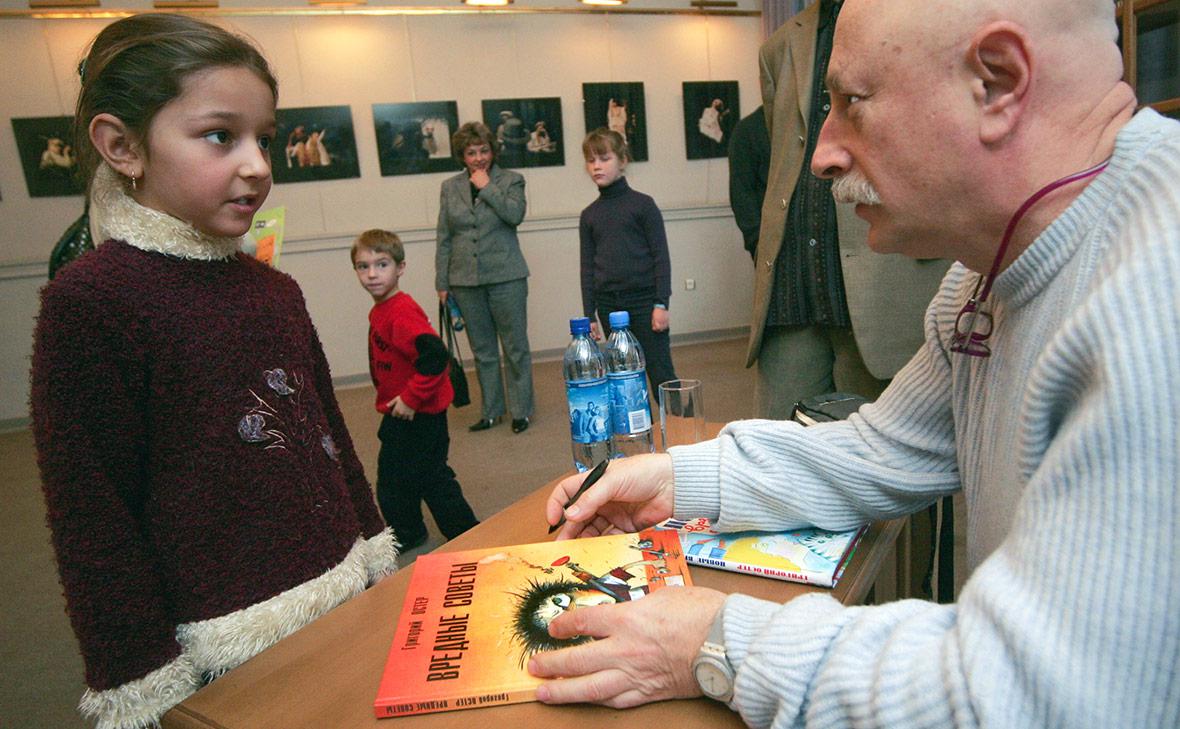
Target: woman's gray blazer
x: 477, y: 241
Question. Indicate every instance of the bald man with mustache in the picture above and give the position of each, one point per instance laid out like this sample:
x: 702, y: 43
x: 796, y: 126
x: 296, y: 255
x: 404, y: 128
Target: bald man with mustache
x: 997, y: 133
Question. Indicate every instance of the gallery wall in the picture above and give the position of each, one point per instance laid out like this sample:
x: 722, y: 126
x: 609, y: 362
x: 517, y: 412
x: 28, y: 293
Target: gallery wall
x: 360, y: 61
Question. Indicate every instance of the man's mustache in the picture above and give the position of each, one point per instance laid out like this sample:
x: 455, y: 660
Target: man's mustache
x: 852, y: 187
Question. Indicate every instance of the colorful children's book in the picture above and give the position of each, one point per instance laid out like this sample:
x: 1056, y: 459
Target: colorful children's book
x: 814, y: 556
x: 264, y: 241
x: 472, y: 619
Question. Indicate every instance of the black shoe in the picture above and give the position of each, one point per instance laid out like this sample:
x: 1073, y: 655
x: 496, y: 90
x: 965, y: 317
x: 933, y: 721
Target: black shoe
x: 520, y: 425
x: 410, y: 544
x: 483, y: 424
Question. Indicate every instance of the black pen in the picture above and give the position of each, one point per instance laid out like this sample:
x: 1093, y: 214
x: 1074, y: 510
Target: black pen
x: 590, y: 480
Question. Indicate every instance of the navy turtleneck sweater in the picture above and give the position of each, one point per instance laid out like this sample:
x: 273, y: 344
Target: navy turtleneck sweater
x: 624, y: 248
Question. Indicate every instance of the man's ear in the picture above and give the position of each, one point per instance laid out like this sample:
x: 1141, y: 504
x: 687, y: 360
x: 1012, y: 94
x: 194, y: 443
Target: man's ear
x: 1001, y: 62
x: 117, y: 145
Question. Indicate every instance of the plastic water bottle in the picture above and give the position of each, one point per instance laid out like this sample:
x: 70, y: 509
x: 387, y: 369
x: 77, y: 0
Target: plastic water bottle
x: 589, y: 400
x: 457, y: 322
x: 626, y: 375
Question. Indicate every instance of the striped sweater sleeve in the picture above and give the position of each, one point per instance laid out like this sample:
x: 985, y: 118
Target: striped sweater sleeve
x: 1071, y: 619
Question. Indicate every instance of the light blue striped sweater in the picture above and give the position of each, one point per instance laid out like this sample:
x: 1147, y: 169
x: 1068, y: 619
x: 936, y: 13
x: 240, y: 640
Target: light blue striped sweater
x: 1065, y: 443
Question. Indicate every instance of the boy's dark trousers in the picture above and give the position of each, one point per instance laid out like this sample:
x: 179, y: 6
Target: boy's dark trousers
x: 411, y: 468
x: 657, y: 348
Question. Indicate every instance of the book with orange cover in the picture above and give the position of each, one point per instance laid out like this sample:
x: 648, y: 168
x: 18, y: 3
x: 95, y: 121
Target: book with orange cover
x: 471, y: 619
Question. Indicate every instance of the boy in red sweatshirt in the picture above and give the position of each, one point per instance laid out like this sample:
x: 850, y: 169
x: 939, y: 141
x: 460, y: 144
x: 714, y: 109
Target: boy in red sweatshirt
x: 408, y: 363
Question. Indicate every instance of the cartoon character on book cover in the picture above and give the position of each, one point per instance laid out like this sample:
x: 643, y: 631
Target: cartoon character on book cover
x: 472, y: 619
x: 543, y: 601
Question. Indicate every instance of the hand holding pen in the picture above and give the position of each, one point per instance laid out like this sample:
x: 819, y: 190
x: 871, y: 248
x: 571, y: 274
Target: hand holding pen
x: 636, y: 493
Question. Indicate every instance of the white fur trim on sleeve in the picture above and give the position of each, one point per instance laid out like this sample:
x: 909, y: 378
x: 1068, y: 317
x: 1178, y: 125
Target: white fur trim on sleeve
x: 141, y: 703
x: 212, y: 647
x: 383, y: 551
x: 219, y: 644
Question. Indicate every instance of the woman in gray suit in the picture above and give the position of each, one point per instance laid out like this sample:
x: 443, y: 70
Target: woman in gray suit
x: 478, y: 261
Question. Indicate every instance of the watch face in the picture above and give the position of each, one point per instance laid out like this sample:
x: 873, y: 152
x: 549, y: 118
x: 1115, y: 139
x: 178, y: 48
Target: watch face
x: 714, y: 681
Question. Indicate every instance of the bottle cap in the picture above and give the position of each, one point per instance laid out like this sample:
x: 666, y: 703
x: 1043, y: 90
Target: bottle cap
x: 619, y: 319
x: 580, y: 325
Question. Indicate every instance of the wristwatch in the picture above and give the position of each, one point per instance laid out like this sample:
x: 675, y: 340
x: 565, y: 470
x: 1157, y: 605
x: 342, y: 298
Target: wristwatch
x: 711, y: 668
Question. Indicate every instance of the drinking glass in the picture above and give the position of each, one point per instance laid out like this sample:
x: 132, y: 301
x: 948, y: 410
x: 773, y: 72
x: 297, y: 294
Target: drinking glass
x: 682, y: 413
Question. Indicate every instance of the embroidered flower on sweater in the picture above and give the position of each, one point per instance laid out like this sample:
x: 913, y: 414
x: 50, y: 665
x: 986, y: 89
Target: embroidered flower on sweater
x: 250, y: 428
x: 285, y: 422
x: 276, y: 380
x: 330, y: 447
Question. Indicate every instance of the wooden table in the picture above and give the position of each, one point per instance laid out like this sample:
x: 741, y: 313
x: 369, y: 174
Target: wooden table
x: 325, y: 676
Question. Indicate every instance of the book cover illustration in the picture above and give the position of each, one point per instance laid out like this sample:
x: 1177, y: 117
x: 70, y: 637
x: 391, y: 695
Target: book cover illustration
x: 471, y: 619
x: 813, y: 556
x: 264, y: 241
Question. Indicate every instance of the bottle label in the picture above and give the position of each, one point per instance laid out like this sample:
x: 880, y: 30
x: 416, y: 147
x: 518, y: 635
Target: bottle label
x: 589, y: 404
x: 629, y: 411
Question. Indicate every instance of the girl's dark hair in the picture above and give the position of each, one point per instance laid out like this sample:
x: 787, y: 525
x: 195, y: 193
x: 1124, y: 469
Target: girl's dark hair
x: 138, y: 64
x: 473, y: 133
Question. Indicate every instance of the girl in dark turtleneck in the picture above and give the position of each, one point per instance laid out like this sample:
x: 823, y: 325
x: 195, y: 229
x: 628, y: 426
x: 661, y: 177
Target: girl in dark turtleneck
x: 625, y: 263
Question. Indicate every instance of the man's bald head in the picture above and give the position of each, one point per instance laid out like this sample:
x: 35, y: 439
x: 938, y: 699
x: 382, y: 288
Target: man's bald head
x: 955, y: 111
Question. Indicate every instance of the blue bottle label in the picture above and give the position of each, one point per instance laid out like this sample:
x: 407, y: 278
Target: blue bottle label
x: 628, y: 403
x: 589, y: 405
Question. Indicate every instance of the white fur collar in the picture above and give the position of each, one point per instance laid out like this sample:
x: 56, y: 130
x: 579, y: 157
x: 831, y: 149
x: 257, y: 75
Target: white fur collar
x: 115, y: 215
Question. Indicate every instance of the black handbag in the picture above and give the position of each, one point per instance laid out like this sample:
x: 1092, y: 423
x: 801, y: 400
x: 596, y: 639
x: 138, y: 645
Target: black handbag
x: 458, y: 376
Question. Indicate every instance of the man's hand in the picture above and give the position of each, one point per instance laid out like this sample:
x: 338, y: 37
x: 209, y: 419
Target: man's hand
x: 400, y: 410
x: 635, y: 493
x: 659, y: 320
x: 595, y: 333
x: 442, y: 296
x: 644, y: 654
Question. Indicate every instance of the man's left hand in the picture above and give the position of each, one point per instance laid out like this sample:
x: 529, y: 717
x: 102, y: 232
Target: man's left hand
x: 644, y: 652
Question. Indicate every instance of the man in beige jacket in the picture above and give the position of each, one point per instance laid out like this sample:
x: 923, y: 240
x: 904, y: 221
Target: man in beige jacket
x: 829, y: 314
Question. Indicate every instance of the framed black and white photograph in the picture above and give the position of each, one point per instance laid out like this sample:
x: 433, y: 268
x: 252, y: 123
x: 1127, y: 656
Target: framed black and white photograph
x: 415, y: 137
x: 47, y: 155
x: 711, y: 109
x: 618, y: 106
x: 529, y: 131
x: 314, y: 143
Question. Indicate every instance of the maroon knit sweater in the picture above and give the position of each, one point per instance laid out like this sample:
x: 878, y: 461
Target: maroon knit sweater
x: 193, y: 456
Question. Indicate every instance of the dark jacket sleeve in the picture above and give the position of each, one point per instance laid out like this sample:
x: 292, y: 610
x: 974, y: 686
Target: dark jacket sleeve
x: 587, y: 250
x: 749, y: 166
x: 657, y: 239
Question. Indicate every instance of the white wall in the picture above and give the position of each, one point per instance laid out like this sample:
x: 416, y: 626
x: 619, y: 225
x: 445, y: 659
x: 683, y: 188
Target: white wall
x: 359, y: 61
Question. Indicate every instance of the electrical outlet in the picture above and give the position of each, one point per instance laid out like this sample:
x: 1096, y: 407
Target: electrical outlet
x: 690, y: 284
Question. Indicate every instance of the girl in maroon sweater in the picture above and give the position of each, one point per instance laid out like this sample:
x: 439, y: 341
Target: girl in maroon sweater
x: 203, y: 494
